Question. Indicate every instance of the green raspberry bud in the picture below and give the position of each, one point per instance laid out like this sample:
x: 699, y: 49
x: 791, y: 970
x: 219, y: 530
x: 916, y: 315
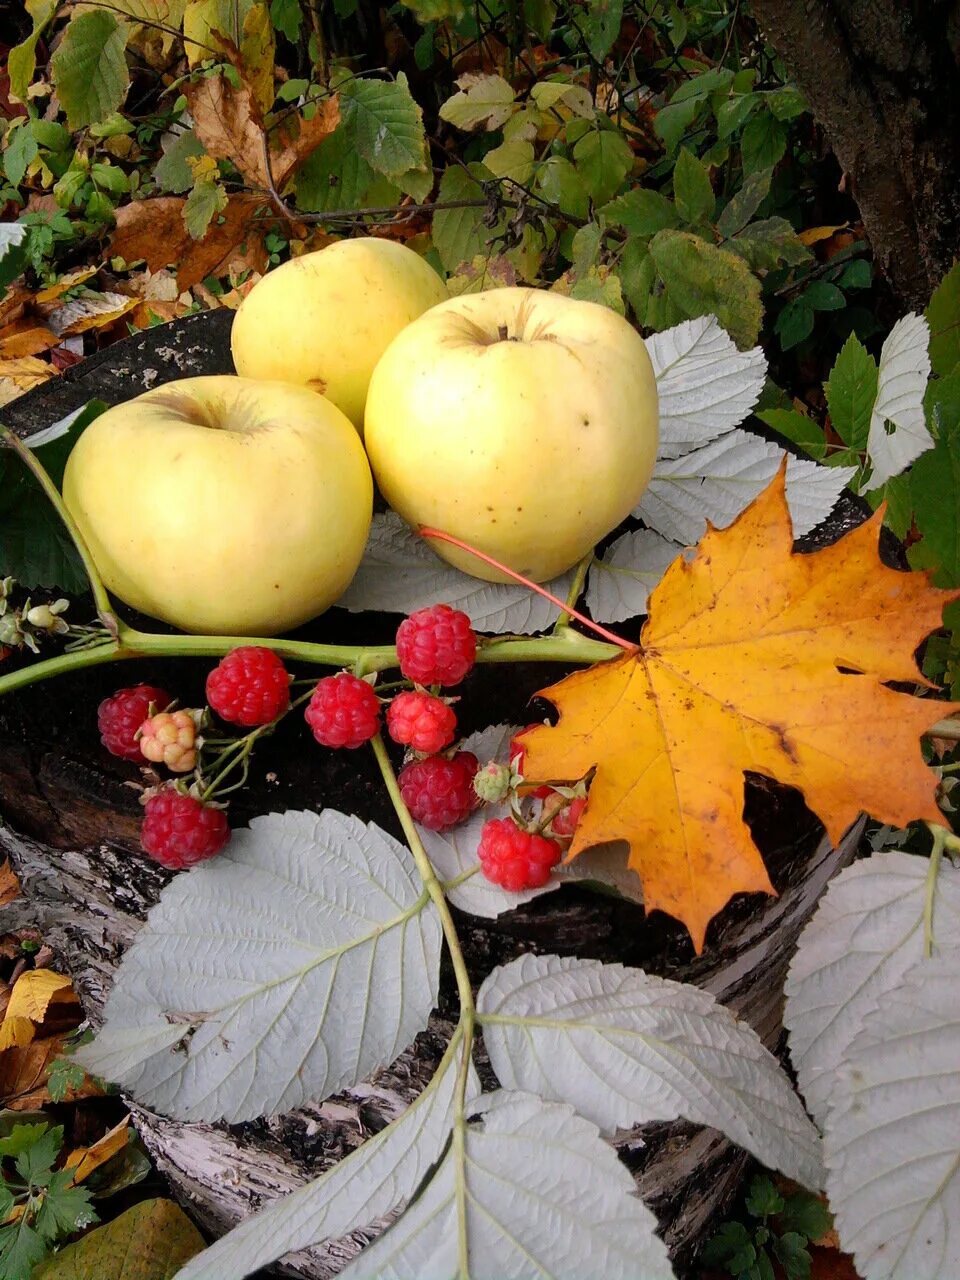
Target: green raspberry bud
x: 492, y: 783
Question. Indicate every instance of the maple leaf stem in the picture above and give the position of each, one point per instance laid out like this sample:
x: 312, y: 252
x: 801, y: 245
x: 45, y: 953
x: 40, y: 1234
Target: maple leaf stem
x: 943, y: 839
x: 426, y: 532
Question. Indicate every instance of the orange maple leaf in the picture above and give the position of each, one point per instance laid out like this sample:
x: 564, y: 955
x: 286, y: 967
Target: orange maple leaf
x: 754, y: 658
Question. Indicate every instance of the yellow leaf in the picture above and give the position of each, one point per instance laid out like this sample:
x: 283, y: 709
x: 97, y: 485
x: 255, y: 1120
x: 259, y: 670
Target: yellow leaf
x: 85, y: 1159
x: 813, y: 234
x: 33, y: 992
x: 70, y: 281
x: 15, y: 1032
x: 212, y: 28
x: 754, y: 659
x: 257, y: 50
x: 22, y: 374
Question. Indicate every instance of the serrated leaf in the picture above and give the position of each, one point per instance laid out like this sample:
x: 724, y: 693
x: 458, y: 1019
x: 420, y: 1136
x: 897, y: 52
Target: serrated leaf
x: 603, y: 159
x: 367, y: 1184
x: 766, y: 244
x: 866, y: 933
x: 705, y: 385
x: 560, y: 183
x: 399, y: 573
x: 89, y: 69
x: 172, y: 172
x: 65, y: 1208
x: 852, y: 392
x: 763, y: 143
x: 943, y: 317
x: 745, y: 203
x: 22, y: 60
x: 804, y: 431
x: 21, y: 1249
x: 336, y: 176
x: 893, y: 1132
x: 483, y: 100
x: 601, y: 26
x: 385, y: 123
x: 460, y: 235
x: 701, y: 279
x: 21, y: 149
x: 934, y: 488
x: 625, y: 1048
x: 151, y: 1241
x: 902, y: 383
x: 620, y: 583
x: 531, y: 1191
x: 511, y: 160
x: 454, y: 852
x: 641, y: 212
x: 692, y: 189
x: 319, y: 964
x: 207, y: 199
x: 720, y: 480
x: 258, y: 54
x: 34, y: 1158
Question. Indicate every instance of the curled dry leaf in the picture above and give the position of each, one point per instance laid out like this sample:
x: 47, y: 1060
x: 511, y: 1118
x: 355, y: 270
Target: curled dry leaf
x: 754, y: 659
x: 18, y: 376
x: 227, y: 121
x: 25, y: 338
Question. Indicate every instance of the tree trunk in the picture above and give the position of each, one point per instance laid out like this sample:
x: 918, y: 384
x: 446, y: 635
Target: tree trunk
x: 883, y: 77
x: 70, y: 820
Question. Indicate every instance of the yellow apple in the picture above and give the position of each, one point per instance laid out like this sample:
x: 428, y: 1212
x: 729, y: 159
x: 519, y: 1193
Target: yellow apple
x: 223, y: 504
x: 521, y: 421
x: 325, y: 319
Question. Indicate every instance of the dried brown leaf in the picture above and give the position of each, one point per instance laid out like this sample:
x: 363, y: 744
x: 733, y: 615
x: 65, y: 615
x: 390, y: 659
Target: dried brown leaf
x: 25, y: 338
x: 228, y: 123
x: 299, y: 138
x: 9, y: 884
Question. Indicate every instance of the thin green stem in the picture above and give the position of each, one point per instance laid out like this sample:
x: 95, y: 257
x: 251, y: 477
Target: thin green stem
x: 468, y: 1011
x: 37, y: 469
x: 936, y: 857
x: 576, y: 587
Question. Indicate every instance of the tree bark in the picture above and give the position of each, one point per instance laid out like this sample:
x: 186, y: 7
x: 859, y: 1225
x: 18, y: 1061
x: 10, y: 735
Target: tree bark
x: 883, y: 77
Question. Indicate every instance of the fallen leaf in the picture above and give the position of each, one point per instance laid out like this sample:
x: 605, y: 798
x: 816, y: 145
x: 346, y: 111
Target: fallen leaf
x: 9, y: 884
x: 18, y: 376
x: 25, y: 338
x: 151, y: 1241
x: 23, y: 1073
x: 33, y: 992
x: 85, y: 1159
x: 814, y: 234
x: 16, y: 1031
x: 299, y: 138
x: 93, y: 311
x: 227, y: 121
x: 69, y: 281
x: 754, y: 659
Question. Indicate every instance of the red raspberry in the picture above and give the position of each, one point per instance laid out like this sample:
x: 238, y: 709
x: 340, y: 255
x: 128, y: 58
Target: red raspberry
x: 249, y: 687
x: 439, y: 792
x: 565, y: 821
x: 436, y: 645
x: 343, y: 712
x: 421, y: 721
x: 121, y: 715
x: 517, y: 753
x: 515, y: 859
x: 178, y: 831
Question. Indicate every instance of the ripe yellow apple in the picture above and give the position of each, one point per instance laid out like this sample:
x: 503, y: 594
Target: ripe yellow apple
x: 521, y: 421
x: 223, y: 504
x: 325, y: 319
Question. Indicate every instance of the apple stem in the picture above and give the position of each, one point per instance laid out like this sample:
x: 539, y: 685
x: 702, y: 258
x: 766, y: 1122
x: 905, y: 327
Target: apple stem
x: 426, y: 532
x: 36, y: 467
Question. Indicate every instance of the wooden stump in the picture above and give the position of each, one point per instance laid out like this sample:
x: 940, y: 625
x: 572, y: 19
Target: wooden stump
x: 70, y: 821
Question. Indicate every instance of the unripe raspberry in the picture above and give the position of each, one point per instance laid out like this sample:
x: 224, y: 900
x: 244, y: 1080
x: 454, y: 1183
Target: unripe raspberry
x: 421, y: 721
x: 492, y: 783
x: 170, y: 738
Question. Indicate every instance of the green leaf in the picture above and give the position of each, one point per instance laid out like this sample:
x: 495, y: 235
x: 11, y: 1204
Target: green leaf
x: 602, y: 26
x: 943, y: 316
x: 63, y: 1076
x: 857, y: 275
x: 600, y: 285
x: 560, y: 183
x: 796, y: 426
x: 765, y: 244
x: 6, y: 1202
x: 672, y: 121
x: 539, y: 16
x: 385, y: 123
x: 603, y: 159
x: 287, y: 18
x: 21, y: 150
x: 764, y: 142
x: 22, y: 60
x: 745, y: 203
x: 34, y: 546
x: 702, y: 280
x: 735, y: 111
x: 65, y: 1208
x: 763, y: 1198
x: 794, y: 323
x: 34, y: 1162
x: 637, y: 271
x: 172, y: 172
x: 22, y: 1137
x: 203, y: 204
x: 585, y: 249
x: 89, y: 68
x: 807, y: 1214
x: 851, y: 393
x: 21, y: 1249
x: 935, y: 487
x: 787, y: 103
x: 511, y: 160
x: 823, y: 296
x: 484, y: 101
x: 335, y: 176
x: 732, y: 1247
x: 460, y: 235
x: 692, y: 189
x: 151, y: 1241
x: 642, y: 212
x: 791, y: 1253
